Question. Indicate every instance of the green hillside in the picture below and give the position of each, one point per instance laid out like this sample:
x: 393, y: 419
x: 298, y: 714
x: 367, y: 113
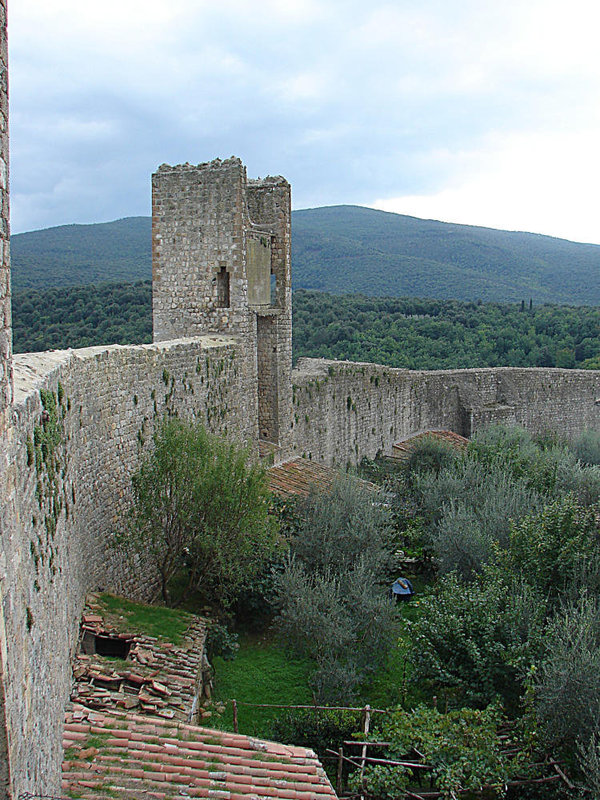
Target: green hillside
x: 74, y: 255
x: 350, y: 249
x: 344, y: 250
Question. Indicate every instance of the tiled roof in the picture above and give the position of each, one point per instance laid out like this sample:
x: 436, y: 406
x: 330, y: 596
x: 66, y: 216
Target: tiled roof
x: 298, y: 476
x: 133, y: 757
x: 157, y: 677
x: 403, y: 448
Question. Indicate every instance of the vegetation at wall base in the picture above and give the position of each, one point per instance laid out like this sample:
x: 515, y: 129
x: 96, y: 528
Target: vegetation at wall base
x: 200, y: 505
x: 495, y: 672
x: 489, y: 675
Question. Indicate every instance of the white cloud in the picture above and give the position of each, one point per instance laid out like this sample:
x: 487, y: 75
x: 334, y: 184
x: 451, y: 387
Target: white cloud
x: 540, y: 182
x: 431, y: 101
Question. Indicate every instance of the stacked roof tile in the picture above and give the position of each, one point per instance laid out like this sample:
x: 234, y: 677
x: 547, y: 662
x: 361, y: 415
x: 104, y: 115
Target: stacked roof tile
x: 299, y: 476
x: 130, y: 756
x: 155, y: 677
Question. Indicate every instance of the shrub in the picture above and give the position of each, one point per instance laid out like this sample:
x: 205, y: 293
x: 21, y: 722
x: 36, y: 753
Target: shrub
x: 589, y: 762
x: 342, y: 621
x: 463, y: 748
x: 515, y: 450
x: 470, y: 510
x: 199, y: 500
x: 459, y: 541
x: 318, y: 730
x: 338, y: 527
x: 220, y: 641
x: 587, y: 447
x: 429, y: 454
x: 580, y: 480
x: 567, y: 686
x: 479, y: 639
x: 333, y: 606
x: 557, y: 548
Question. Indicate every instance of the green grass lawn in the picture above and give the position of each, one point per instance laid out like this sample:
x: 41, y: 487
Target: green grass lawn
x: 262, y: 672
x: 165, y: 623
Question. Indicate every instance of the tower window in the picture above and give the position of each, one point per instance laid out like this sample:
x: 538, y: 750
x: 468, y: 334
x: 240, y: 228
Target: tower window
x: 273, y: 289
x: 223, y: 288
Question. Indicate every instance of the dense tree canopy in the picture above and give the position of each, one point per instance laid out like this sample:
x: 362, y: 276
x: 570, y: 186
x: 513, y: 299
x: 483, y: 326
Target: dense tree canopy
x: 400, y: 332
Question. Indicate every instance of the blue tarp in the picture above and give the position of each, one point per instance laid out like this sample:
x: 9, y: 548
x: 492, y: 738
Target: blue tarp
x: 403, y: 587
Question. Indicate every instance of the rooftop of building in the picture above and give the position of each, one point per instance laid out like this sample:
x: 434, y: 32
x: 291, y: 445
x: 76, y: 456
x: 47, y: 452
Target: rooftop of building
x: 131, y: 756
x: 119, y: 667
x: 296, y: 478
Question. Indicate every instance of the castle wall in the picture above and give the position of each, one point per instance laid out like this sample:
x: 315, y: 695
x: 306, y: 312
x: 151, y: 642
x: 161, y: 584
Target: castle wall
x: 344, y: 411
x: 5, y: 311
x: 5, y: 357
x: 218, y: 241
x: 79, y: 423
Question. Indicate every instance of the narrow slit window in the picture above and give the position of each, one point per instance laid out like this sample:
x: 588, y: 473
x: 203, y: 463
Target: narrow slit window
x: 223, y: 288
x: 273, y: 289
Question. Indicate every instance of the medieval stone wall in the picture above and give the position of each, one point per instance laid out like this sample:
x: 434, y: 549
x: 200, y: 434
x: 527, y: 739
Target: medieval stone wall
x: 79, y: 423
x: 343, y: 411
x: 5, y: 310
x: 5, y: 355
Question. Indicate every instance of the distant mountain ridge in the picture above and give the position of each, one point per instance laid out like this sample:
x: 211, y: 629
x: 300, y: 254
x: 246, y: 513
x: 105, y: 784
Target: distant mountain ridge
x: 344, y: 250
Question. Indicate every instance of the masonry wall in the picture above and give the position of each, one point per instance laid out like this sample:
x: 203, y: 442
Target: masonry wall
x: 5, y: 311
x: 269, y: 207
x: 344, y: 411
x: 218, y: 235
x: 5, y: 355
x: 95, y: 410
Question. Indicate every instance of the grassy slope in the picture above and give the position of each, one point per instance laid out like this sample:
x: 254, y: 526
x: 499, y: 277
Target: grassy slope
x: 262, y: 672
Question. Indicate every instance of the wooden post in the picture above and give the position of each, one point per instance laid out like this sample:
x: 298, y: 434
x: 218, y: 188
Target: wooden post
x: 235, y: 716
x: 366, y: 726
x: 340, y: 772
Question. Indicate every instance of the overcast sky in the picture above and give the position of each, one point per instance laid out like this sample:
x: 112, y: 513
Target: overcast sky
x: 462, y: 110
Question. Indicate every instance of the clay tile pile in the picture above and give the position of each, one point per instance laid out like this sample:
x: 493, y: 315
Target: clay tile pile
x: 402, y: 449
x: 297, y: 477
x: 155, y: 678
x: 130, y: 756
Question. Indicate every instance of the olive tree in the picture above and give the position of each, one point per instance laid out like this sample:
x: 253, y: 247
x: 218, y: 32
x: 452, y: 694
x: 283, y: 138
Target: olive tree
x: 201, y: 505
x: 332, y: 597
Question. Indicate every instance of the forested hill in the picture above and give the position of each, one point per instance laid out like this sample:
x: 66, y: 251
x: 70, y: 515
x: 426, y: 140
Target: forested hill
x: 401, y: 332
x: 75, y: 255
x: 350, y: 249
x: 344, y: 250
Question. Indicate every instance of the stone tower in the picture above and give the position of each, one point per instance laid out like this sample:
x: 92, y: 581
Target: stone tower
x: 221, y: 264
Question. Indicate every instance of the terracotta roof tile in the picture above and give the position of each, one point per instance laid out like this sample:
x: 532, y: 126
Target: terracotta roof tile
x: 298, y: 476
x: 402, y: 449
x: 130, y: 756
x: 156, y: 677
